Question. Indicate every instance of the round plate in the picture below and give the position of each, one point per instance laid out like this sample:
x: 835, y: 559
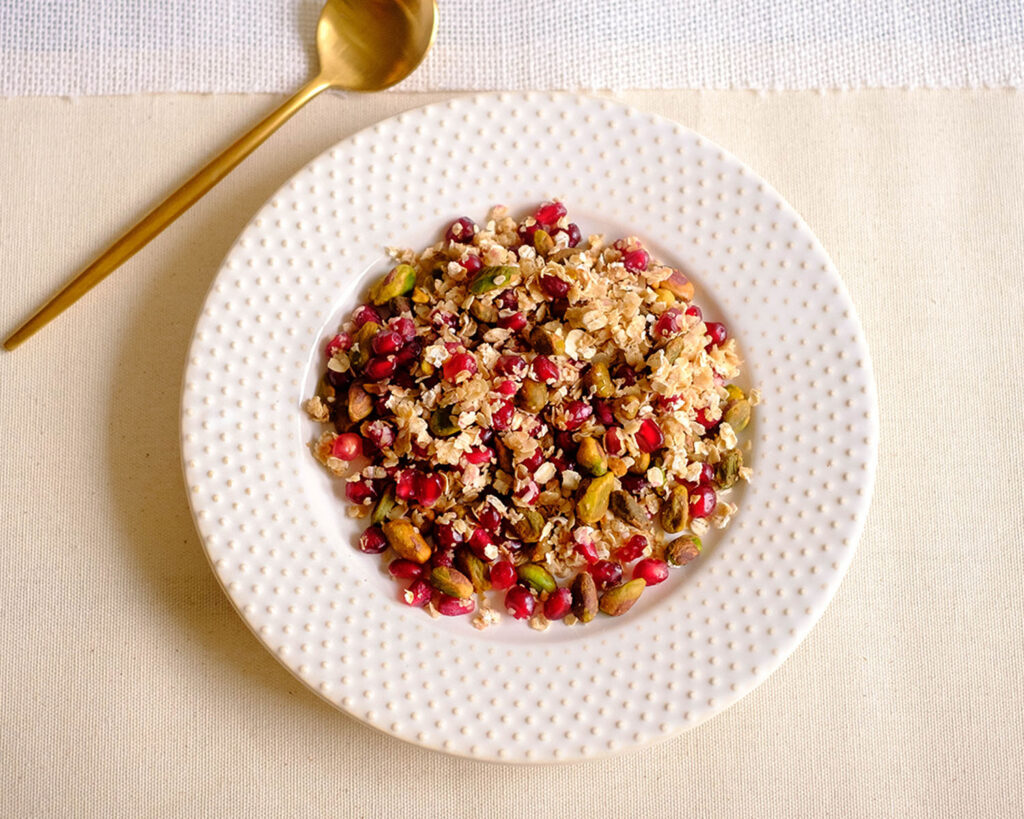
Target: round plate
x: 274, y: 524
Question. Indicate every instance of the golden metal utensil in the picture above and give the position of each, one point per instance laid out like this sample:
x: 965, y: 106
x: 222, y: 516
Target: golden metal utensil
x: 363, y: 45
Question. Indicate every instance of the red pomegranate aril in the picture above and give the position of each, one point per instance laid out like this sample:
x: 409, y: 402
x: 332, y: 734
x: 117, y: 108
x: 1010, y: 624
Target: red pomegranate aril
x: 480, y: 455
x: 574, y: 234
x: 501, y: 418
x: 717, y: 332
x: 489, y: 518
x: 707, y: 475
x: 405, y: 569
x: 636, y: 261
x: 627, y: 374
x: 652, y: 570
x: 361, y: 491
x: 404, y: 326
x: 446, y: 536
x: 520, y: 602
x: 694, y: 310
x: 507, y: 301
x: 342, y: 341
x: 462, y: 230
x: 418, y: 593
x: 439, y: 319
x: 527, y: 493
x: 503, y: 575
x: 526, y: 232
x: 481, y: 543
x: 632, y: 549
x: 508, y: 388
x: 603, y: 412
x: 702, y: 501
x: 380, y: 433
x: 544, y: 369
x: 704, y: 418
x: 387, y: 342
x: 649, y: 438
x: 428, y: 489
x: 405, y: 485
x: 444, y: 558
x: 347, y: 446
x: 588, y: 551
x: 669, y: 323
x: 372, y: 541
x: 554, y: 287
x: 576, y: 412
x: 410, y: 352
x: 613, y: 441
x: 634, y: 484
x: 549, y: 213
x: 365, y: 313
x: 514, y: 365
x: 606, y: 573
x: 457, y: 364
x: 454, y: 606
x: 533, y: 462
x: 514, y: 322
x: 472, y: 263
x: 558, y: 604
x: 380, y: 368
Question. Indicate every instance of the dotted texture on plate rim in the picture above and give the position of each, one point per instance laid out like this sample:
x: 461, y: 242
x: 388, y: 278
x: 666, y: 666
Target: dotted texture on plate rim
x: 273, y: 524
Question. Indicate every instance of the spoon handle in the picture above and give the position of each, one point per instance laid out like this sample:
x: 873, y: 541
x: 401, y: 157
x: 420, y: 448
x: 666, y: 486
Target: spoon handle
x: 153, y: 223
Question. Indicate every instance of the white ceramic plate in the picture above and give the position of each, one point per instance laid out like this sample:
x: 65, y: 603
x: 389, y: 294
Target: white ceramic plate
x: 273, y: 522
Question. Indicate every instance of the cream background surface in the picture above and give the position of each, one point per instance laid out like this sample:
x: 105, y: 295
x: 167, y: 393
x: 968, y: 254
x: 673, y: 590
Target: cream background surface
x: 131, y: 688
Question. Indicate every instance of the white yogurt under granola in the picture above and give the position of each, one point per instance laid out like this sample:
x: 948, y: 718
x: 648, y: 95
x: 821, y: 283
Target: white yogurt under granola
x: 520, y: 411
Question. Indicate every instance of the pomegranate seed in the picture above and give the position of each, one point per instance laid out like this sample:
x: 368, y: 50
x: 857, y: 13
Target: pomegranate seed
x: 704, y: 419
x: 372, y: 541
x: 410, y: 352
x: 361, y: 491
x: 576, y: 412
x: 520, y: 602
x: 588, y: 551
x: 603, y: 412
x: 512, y: 546
x: 342, y: 341
x: 507, y: 388
x: 507, y: 301
x: 554, y: 287
x: 549, y: 213
x: 472, y: 263
x: 669, y: 323
x: 454, y: 606
x: 386, y: 342
x: 489, y: 518
x: 717, y: 332
x: 486, y: 436
x: 702, y: 502
x: 527, y: 493
x: 340, y: 381
x: 515, y: 322
x: 429, y: 488
x: 565, y: 442
x: 480, y: 455
x: 462, y: 230
x: 694, y: 310
x: 558, y: 604
x: 573, y: 232
x: 707, y: 475
x: 439, y: 319
x: 606, y: 573
x: 380, y: 368
x: 418, y: 593
x: 649, y: 438
x: 443, y: 557
x: 533, y: 462
x: 634, y: 484
x: 347, y: 446
x: 405, y: 569
x: 613, y: 443
x: 631, y: 549
x: 405, y: 486
x: 526, y: 232
x: 365, y: 313
x: 503, y: 575
x: 501, y: 418
x: 544, y: 369
x: 446, y: 536
x: 405, y: 327
x: 481, y: 543
x: 514, y: 365
x: 669, y: 403
x: 627, y: 374
x: 457, y: 364
x: 636, y: 261
x: 652, y: 570
x: 380, y: 433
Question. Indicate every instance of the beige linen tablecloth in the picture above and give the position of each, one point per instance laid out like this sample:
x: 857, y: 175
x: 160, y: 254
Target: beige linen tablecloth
x: 130, y: 686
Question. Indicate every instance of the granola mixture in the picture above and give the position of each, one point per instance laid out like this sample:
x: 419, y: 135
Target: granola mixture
x: 522, y: 410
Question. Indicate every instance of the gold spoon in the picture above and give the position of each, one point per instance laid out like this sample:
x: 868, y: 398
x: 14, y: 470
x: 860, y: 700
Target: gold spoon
x: 363, y: 45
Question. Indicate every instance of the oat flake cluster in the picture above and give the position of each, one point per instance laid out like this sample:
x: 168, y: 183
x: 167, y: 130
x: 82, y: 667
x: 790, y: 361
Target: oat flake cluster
x: 538, y: 412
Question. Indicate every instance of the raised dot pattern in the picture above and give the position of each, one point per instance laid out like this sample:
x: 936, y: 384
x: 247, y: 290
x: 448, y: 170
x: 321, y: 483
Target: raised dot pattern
x: 274, y: 525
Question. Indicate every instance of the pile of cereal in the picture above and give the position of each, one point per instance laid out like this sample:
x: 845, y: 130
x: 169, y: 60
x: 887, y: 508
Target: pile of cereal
x: 537, y: 412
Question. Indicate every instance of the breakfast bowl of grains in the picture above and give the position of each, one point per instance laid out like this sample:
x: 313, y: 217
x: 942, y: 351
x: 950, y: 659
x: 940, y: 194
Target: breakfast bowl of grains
x: 528, y: 428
